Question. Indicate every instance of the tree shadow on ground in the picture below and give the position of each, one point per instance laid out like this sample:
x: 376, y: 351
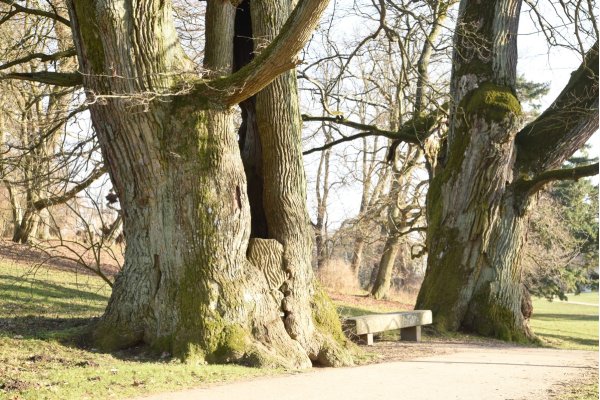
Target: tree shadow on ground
x: 34, y: 297
x: 572, y: 339
x: 38, y: 287
x: 572, y: 317
x: 34, y: 327
x: 71, y: 332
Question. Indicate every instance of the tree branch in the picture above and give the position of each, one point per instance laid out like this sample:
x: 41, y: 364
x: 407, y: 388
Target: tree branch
x: 566, y: 125
x: 278, y: 57
x: 390, y: 135
x: 67, y: 79
x: 412, y: 131
x: 40, y: 56
x: 531, y: 186
x: 69, y: 194
x: 34, y: 11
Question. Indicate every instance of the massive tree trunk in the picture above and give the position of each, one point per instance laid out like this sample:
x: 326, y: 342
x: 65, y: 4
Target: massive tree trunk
x: 277, y: 129
x: 194, y: 283
x: 478, y: 200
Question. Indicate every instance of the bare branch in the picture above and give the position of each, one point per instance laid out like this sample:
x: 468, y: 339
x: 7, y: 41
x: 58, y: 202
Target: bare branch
x: 328, y: 145
x: 34, y: 11
x: 278, y: 57
x: 67, y: 79
x: 40, y: 56
x: 69, y: 194
x: 566, y: 125
x: 412, y: 131
x: 531, y: 186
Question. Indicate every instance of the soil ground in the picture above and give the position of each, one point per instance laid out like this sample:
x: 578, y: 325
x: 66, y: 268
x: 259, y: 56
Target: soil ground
x: 436, y: 370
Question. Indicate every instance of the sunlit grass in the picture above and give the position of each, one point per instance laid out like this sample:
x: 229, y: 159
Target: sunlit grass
x: 40, y: 309
x: 591, y: 297
x: 566, y: 326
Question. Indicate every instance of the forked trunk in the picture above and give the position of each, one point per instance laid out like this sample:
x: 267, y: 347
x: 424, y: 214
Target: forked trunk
x: 194, y: 283
x: 26, y: 227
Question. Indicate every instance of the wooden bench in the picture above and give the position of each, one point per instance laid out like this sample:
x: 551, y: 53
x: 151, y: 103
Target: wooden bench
x: 409, y: 323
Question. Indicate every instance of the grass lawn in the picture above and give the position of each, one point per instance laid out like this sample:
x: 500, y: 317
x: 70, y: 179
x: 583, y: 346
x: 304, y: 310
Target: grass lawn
x: 591, y: 297
x: 568, y: 326
x: 40, y: 309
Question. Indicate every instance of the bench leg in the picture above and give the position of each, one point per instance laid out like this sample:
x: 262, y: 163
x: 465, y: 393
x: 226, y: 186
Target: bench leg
x: 412, y: 334
x: 366, y: 339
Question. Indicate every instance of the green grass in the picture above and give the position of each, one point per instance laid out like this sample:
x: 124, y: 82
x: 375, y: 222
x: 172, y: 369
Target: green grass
x: 40, y: 309
x: 591, y: 297
x: 567, y: 326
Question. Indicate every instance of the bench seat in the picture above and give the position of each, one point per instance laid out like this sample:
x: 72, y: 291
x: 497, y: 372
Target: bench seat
x: 409, y: 323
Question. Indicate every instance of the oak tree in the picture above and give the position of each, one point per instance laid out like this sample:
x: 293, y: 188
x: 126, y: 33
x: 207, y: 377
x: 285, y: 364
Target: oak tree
x: 217, y: 259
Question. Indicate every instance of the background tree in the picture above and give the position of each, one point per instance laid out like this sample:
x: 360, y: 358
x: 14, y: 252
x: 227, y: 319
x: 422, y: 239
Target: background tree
x: 45, y: 161
x: 385, y: 92
x: 556, y: 259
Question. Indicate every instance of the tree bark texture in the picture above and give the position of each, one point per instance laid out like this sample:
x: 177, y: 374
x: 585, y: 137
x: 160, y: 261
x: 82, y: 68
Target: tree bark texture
x: 284, y: 199
x: 194, y: 282
x: 382, y: 284
x: 477, y: 205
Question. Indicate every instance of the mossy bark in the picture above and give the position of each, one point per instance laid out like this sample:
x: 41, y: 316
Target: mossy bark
x: 479, y: 198
x: 194, y: 283
x: 476, y: 220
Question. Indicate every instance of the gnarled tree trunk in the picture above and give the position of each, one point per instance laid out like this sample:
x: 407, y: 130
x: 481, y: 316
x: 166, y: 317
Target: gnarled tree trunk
x: 478, y: 200
x: 194, y: 282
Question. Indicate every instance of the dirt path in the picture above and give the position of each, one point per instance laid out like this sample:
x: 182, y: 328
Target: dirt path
x: 464, y: 372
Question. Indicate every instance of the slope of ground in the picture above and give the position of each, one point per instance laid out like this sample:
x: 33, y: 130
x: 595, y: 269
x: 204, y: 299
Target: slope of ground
x: 40, y: 308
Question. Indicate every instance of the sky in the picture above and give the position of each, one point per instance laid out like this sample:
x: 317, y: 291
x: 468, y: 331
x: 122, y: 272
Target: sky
x: 537, y: 62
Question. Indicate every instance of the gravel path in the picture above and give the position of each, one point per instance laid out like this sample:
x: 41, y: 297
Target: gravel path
x: 459, y: 372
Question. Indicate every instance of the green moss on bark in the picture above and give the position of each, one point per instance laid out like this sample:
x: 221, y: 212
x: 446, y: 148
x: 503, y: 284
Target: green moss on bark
x: 492, y: 102
x: 488, y: 317
x: 111, y: 338
x: 326, y: 317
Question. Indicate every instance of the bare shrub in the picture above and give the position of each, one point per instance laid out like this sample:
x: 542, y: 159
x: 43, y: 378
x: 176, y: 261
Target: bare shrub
x: 336, y: 275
